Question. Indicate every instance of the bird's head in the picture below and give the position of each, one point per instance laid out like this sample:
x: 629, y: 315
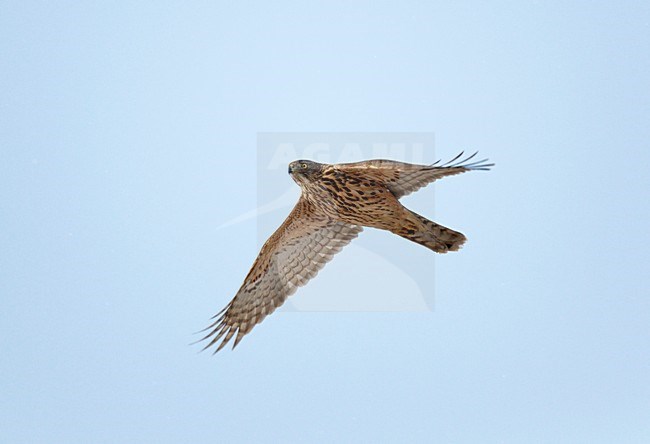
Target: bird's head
x: 304, y: 170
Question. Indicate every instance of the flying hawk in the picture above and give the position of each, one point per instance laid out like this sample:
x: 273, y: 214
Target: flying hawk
x: 337, y: 201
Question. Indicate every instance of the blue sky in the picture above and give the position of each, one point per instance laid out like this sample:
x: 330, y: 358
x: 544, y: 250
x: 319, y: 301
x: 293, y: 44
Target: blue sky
x: 128, y: 135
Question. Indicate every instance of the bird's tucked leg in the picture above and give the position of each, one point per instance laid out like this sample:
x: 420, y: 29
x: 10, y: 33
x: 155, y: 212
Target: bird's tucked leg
x: 421, y: 230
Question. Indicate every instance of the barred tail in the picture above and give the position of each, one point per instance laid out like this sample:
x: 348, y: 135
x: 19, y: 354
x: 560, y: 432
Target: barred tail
x: 421, y: 230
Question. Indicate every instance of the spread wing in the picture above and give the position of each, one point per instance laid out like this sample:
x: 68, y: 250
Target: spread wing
x: 404, y: 178
x: 294, y: 254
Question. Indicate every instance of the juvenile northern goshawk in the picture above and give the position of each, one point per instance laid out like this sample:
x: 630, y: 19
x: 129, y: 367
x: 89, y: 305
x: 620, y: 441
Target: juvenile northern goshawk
x: 337, y: 201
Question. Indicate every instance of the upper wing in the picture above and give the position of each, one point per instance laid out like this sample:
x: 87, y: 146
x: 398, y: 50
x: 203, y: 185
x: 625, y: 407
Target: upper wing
x: 293, y: 255
x: 405, y: 178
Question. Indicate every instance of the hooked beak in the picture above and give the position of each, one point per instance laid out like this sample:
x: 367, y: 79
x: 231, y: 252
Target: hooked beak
x: 290, y: 169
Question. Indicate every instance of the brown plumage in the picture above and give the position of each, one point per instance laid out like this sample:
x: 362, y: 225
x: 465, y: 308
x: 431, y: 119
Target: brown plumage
x: 337, y: 201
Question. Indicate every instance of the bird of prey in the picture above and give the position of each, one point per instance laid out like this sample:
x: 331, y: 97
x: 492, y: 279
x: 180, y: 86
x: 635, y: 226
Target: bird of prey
x: 336, y: 202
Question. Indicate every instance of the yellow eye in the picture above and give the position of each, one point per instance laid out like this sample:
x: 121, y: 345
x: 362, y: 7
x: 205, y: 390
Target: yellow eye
x: 303, y: 165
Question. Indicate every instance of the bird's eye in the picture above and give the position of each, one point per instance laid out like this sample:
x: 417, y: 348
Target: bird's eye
x: 303, y: 165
